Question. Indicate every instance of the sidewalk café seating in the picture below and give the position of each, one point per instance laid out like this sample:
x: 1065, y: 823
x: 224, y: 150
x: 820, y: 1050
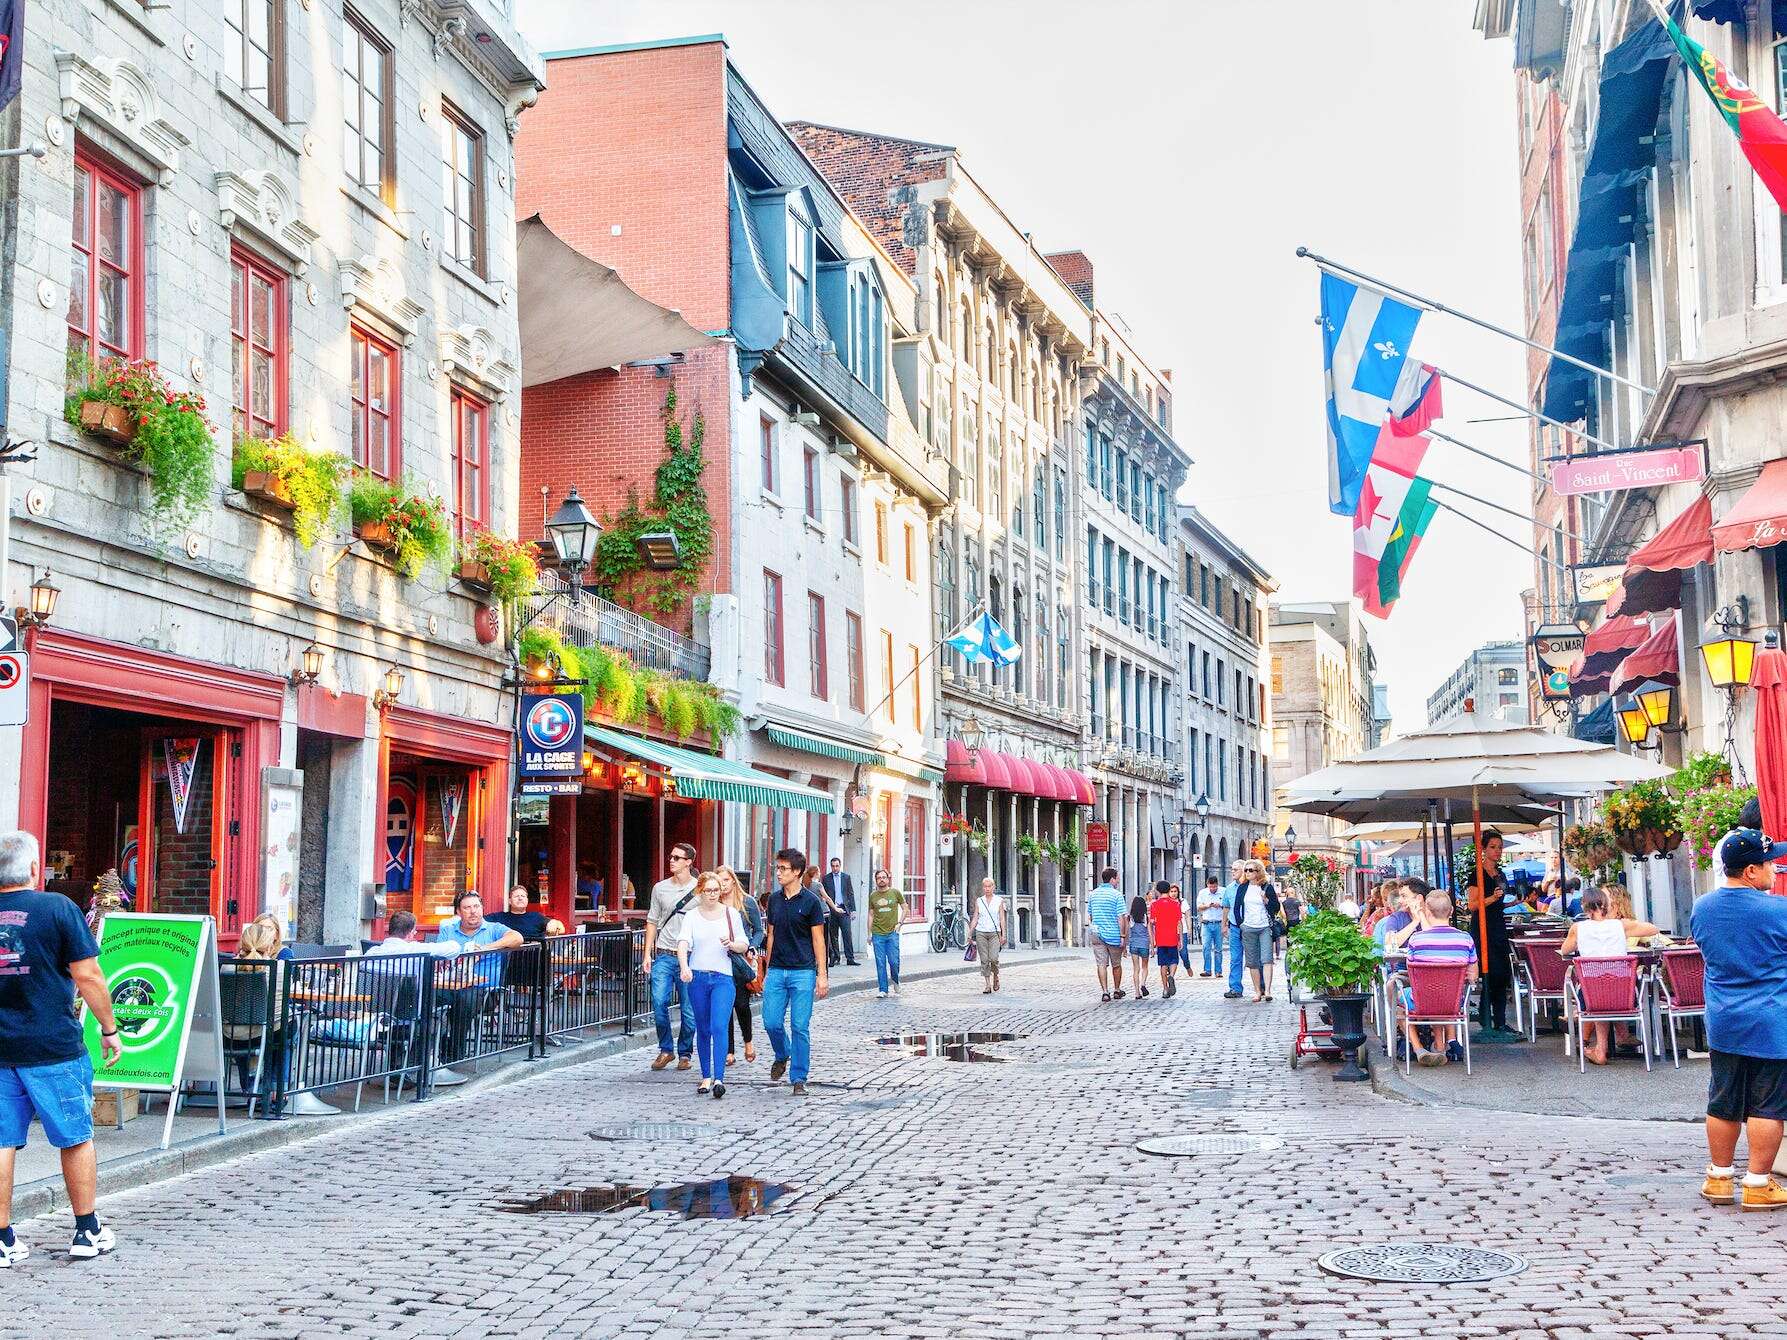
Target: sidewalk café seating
x: 1539, y: 973
x: 1438, y: 995
x: 245, y: 1001
x: 1605, y: 991
x: 1681, y: 991
x: 1383, y: 998
x: 321, y: 951
x: 387, y: 1036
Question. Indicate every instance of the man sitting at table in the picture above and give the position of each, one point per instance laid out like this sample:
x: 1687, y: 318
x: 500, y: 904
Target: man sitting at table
x: 530, y: 926
x: 1741, y: 931
x: 1434, y: 940
x: 1394, y: 930
x: 466, y: 987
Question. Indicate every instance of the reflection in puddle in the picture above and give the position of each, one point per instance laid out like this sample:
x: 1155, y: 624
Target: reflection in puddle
x: 732, y: 1197
x: 949, y: 1046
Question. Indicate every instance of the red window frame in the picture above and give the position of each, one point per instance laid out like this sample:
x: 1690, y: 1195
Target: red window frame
x: 91, y: 173
x: 772, y: 627
x: 915, y: 878
x: 853, y: 650
x: 246, y: 271
x: 363, y: 344
x: 818, y: 672
x: 471, y: 461
x: 918, y: 695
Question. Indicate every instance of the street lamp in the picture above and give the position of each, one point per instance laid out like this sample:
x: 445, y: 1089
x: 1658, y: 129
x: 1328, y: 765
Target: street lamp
x: 972, y: 736
x: 574, y: 532
x: 1730, y: 661
x: 44, y: 594
x: 310, y: 667
x: 387, y: 693
x: 1203, y: 808
x: 1658, y: 702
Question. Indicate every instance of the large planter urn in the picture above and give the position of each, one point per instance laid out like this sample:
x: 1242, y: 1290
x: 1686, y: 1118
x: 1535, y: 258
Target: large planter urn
x: 1347, y: 1010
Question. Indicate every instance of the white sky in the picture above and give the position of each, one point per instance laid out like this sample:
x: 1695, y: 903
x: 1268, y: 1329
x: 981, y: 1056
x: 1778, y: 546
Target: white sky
x: 1189, y: 153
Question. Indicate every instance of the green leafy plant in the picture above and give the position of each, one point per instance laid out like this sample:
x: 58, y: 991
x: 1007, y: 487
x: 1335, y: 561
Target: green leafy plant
x: 510, y: 567
x: 1330, y: 955
x: 419, y: 533
x: 173, y: 442
x: 1318, y: 878
x: 979, y: 838
x: 678, y: 505
x: 1590, y: 846
x: 311, y: 479
x: 1069, y: 850
x: 1032, y: 849
x: 1708, y: 814
x: 616, y: 688
x: 1708, y: 768
x: 1643, y: 818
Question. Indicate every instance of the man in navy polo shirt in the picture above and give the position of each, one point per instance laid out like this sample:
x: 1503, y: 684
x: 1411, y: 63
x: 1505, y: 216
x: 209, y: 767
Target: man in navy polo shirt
x: 1741, y: 930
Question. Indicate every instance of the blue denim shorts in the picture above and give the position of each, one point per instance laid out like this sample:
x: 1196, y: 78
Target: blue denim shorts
x: 59, y: 1095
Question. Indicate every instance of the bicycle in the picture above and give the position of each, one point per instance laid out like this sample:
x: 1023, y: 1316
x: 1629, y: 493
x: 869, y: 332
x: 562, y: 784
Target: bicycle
x: 949, y: 930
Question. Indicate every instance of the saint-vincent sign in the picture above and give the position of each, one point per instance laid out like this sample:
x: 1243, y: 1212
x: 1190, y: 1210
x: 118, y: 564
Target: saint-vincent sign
x: 1609, y: 472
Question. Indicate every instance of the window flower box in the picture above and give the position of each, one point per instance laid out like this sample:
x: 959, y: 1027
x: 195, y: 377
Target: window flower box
x: 269, y: 488
x: 473, y: 574
x: 109, y: 423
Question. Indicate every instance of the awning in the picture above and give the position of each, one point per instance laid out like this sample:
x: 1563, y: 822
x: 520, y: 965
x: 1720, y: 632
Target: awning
x: 1657, y: 659
x: 1597, y: 726
x: 1025, y: 779
x: 1759, y: 521
x: 577, y: 315
x: 1060, y: 786
x: 1652, y: 582
x: 1008, y: 772
x: 706, y: 777
x: 819, y: 744
x: 1606, y: 646
x: 1587, y: 683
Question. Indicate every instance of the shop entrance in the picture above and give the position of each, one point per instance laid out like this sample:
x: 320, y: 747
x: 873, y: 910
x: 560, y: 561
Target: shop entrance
x: 434, y: 816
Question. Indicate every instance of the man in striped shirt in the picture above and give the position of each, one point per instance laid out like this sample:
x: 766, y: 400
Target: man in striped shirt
x: 1435, y: 942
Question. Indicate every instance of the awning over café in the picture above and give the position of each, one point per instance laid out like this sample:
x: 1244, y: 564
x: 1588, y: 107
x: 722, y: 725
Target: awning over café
x: 789, y: 738
x: 1008, y: 772
x: 1759, y: 521
x: 1653, y: 578
x: 1605, y: 647
x: 706, y: 777
x: 1656, y: 660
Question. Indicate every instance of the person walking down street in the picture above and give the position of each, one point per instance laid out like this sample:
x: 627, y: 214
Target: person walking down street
x: 1259, y: 914
x: 1741, y: 929
x: 1108, y: 923
x: 671, y: 899
x: 732, y: 893
x: 1165, y: 914
x: 711, y: 933
x: 887, y: 909
x: 815, y: 886
x: 1489, y: 928
x: 1291, y: 915
x: 45, y: 1073
x: 1141, y: 941
x: 841, y: 889
x: 989, y: 934
x: 1213, y: 922
x: 797, y: 969
x: 1231, y: 901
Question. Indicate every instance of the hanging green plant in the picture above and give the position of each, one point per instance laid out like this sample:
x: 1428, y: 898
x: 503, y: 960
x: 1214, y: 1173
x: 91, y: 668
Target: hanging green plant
x: 504, y: 567
x: 678, y: 505
x: 619, y: 690
x: 390, y: 516
x: 1069, y: 850
x: 283, y: 471
x: 134, y: 407
x: 1032, y: 849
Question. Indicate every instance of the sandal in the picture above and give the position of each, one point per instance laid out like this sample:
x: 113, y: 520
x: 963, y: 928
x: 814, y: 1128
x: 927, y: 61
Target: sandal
x: 750, y: 1052
x: 1105, y: 998
x: 705, y: 1087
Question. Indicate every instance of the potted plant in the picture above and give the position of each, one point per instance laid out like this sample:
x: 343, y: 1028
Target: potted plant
x: 979, y: 839
x: 410, y: 528
x: 132, y: 406
x: 1031, y: 848
x: 1710, y: 813
x: 284, y: 473
x: 1644, y: 818
x: 1318, y: 878
x: 1330, y: 956
x: 495, y: 566
x: 1590, y: 846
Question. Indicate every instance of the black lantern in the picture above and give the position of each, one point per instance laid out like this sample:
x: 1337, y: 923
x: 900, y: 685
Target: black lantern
x: 574, y: 532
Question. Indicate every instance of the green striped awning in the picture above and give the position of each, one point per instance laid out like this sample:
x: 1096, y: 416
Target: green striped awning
x: 706, y: 777
x: 819, y: 744
x: 931, y: 775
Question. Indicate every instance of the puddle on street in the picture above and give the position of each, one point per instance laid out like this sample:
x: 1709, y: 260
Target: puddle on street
x: 949, y: 1046
x: 732, y: 1197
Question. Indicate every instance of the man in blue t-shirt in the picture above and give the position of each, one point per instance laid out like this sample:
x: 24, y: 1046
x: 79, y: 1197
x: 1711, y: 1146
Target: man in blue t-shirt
x: 1108, y: 916
x: 46, y: 956
x: 1741, y: 931
x: 1230, y: 892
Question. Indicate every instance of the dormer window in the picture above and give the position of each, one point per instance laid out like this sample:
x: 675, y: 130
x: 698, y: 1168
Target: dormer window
x: 800, y: 266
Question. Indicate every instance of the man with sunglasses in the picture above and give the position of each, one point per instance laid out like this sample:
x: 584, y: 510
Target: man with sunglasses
x: 671, y: 900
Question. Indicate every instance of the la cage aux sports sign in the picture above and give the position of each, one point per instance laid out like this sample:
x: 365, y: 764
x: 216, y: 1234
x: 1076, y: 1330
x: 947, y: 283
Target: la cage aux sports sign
x: 1609, y: 472
x: 551, y: 733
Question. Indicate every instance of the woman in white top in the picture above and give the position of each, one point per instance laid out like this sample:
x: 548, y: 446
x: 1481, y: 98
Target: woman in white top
x: 1602, y: 935
x: 711, y: 933
x: 989, y: 934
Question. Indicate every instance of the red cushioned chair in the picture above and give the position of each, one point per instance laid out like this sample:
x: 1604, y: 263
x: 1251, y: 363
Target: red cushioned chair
x: 1539, y: 977
x: 1441, y: 995
x: 1681, y: 988
x: 1609, y: 990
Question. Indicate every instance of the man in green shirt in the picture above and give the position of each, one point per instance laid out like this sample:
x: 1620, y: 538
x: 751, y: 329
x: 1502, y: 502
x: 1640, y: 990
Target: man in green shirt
x: 887, y: 909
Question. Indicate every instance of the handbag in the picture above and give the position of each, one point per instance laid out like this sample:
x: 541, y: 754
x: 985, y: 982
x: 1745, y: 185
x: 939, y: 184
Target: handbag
x: 971, y: 953
x: 744, y: 972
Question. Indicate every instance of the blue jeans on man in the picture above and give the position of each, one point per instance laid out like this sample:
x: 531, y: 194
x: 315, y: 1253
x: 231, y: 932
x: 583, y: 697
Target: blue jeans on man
x: 667, y: 986
x: 789, y: 992
x: 1212, y: 948
x: 887, y: 959
x: 1235, y: 958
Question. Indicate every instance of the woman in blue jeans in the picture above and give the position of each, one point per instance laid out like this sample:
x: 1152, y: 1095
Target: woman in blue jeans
x: 711, y: 934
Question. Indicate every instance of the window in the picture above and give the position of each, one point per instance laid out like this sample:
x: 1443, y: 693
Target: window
x: 1092, y: 597
x: 887, y: 674
x: 1191, y: 780
x: 1122, y: 584
x: 881, y: 533
x: 254, y: 51
x: 1060, y: 513
x: 918, y: 688
x: 809, y: 474
x: 847, y: 504
x: 853, y: 654
x: 1206, y: 676
x: 772, y: 627
x: 818, y: 672
x: 766, y: 437
x: 1240, y: 700
x: 911, y: 553
x: 1110, y: 567
x: 800, y: 267
x: 105, y: 292
x: 471, y: 461
x: 374, y: 395
x: 462, y: 189
x: 1104, y: 466
x: 1122, y: 481
x: 914, y: 875
x: 367, y: 122
x: 1222, y: 677
x: 258, y: 345
x: 1278, y: 674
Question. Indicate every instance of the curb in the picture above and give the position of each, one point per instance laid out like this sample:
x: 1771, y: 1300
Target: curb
x: 252, y: 1137
x: 1387, y: 1082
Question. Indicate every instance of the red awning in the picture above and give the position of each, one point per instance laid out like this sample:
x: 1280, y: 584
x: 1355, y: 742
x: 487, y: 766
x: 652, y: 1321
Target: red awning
x: 1007, y: 772
x: 1658, y: 659
x: 1606, y: 646
x: 1025, y: 779
x: 1084, y: 792
x: 1652, y: 581
x: 961, y: 766
x: 1056, y: 779
x: 1759, y: 521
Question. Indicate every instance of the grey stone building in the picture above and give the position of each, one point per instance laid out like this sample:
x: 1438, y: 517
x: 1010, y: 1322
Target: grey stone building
x: 1492, y: 678
x: 303, y: 212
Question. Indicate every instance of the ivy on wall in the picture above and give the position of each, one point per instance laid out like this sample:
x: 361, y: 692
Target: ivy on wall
x: 616, y: 688
x: 678, y: 505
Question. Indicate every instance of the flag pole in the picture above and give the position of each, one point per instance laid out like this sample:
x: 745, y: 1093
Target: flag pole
x: 1336, y: 267
x: 1483, y: 525
x: 1519, y: 516
x: 1487, y: 455
x: 979, y: 609
x: 1526, y: 410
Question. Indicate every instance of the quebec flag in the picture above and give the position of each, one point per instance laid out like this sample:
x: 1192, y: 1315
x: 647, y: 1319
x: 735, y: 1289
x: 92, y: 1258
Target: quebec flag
x: 982, y: 639
x: 1365, y: 342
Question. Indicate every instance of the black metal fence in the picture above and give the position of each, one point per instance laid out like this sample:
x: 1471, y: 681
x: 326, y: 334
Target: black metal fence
x: 303, y: 1026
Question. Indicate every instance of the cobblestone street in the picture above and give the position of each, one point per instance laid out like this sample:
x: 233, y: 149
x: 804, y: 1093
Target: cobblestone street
x: 936, y: 1199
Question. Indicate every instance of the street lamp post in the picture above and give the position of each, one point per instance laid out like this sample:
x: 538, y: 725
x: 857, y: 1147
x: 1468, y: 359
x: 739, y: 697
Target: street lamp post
x: 574, y: 532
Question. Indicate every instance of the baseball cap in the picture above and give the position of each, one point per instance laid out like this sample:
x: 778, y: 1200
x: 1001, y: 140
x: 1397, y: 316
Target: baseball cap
x: 1749, y: 846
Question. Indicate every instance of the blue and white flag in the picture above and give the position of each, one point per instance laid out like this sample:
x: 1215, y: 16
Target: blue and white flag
x: 1365, y: 343
x: 982, y: 639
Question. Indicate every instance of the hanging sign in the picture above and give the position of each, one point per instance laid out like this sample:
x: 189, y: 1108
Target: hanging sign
x: 181, y: 755
x: 15, y: 688
x: 1098, y: 837
x: 1609, y: 472
x: 1556, y: 645
x: 452, y: 802
x: 551, y: 731
x: 1596, y: 582
x: 400, y: 833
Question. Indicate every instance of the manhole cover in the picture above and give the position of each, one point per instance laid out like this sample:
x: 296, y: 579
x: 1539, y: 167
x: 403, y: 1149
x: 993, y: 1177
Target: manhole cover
x: 1421, y: 1263
x: 657, y: 1130
x: 1184, y: 1146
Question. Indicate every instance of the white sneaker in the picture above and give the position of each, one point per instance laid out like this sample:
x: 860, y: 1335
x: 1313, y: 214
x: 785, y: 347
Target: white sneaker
x: 896, y: 988
x: 881, y: 995
x: 17, y: 1252
x: 88, y: 1245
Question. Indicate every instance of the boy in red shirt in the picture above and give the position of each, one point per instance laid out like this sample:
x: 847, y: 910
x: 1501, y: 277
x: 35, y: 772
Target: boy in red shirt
x: 1165, y: 914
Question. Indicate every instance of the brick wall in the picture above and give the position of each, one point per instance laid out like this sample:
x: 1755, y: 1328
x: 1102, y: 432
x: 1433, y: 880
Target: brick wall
x: 1075, y: 269
x: 869, y: 172
x: 443, y: 865
x: 183, y: 860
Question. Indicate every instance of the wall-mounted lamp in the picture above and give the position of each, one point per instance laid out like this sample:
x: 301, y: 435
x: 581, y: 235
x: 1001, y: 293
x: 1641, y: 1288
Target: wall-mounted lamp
x: 389, y: 690
x: 310, y: 665
x: 632, y: 773
x: 659, y: 550
x: 44, y: 594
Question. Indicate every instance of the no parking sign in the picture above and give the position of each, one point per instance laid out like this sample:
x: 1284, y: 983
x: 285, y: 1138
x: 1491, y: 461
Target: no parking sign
x: 15, y: 688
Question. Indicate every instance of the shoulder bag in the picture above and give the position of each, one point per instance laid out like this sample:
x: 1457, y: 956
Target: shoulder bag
x: 744, y: 972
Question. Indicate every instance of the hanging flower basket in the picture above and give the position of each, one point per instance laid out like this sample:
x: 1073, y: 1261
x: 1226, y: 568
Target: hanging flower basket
x: 110, y: 423
x: 269, y: 488
x: 1645, y: 841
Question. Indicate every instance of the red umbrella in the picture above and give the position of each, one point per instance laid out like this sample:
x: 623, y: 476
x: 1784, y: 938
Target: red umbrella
x: 1769, y: 681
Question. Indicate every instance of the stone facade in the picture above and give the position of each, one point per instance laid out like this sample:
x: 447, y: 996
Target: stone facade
x: 1491, y: 678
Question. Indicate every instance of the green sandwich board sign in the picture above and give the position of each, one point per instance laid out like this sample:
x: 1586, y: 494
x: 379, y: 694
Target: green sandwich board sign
x: 161, y: 972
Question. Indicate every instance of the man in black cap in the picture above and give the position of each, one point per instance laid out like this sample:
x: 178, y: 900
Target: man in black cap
x: 1741, y: 930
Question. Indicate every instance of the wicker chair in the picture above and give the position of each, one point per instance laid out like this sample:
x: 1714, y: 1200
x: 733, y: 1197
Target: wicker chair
x: 1609, y: 990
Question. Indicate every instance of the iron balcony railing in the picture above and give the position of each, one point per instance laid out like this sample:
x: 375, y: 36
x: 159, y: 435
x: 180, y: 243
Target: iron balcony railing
x: 593, y: 621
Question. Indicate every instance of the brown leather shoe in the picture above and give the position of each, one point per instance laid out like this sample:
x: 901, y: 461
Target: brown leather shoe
x: 663, y: 1059
x: 1719, y: 1190
x: 684, y: 1064
x: 777, y: 1069
x: 1770, y: 1196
